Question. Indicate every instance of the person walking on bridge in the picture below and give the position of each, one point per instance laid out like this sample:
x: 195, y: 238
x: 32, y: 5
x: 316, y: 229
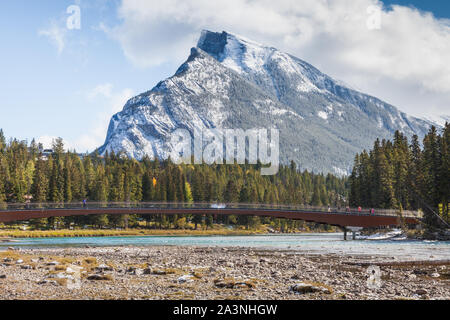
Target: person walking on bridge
x: 84, y: 203
x: 359, y: 210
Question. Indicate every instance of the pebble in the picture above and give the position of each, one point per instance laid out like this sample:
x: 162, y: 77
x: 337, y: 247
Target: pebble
x: 435, y: 275
x: 305, y: 288
x: 52, y: 282
x: 186, y: 279
x: 62, y: 276
x: 103, y: 268
x: 98, y: 277
x: 421, y: 292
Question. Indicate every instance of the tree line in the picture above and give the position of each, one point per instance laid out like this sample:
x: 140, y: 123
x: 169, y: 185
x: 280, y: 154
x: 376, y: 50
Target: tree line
x: 66, y: 177
x: 405, y: 175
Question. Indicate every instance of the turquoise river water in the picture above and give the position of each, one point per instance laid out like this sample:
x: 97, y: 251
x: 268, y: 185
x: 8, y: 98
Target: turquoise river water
x: 307, y: 243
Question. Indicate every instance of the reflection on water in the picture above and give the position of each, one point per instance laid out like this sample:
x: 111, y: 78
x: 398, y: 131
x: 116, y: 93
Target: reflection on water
x: 311, y: 243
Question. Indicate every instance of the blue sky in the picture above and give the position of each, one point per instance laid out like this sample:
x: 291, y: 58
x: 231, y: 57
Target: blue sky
x: 49, y: 94
x: 440, y: 8
x: 68, y: 83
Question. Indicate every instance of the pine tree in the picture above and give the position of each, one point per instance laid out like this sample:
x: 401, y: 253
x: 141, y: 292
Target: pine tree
x: 188, y: 193
x: 29, y: 173
x: 431, y: 165
x: 4, y: 175
x: 40, y: 182
x: 78, y: 179
x: 407, y: 177
x: 444, y: 172
x: 355, y: 188
x: 415, y: 176
x: 2, y: 142
x: 67, y: 173
x: 56, y: 182
x: 232, y: 192
x: 316, y: 201
x: 89, y: 172
x: 401, y: 163
x: 209, y: 221
x: 147, y: 187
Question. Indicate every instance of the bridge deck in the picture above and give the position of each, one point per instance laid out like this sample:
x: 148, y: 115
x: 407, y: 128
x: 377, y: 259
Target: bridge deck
x: 332, y: 216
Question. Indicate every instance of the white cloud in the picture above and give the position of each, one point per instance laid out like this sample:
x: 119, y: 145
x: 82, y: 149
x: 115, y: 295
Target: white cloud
x: 114, y: 100
x: 404, y: 62
x: 56, y: 34
x: 109, y: 103
x: 104, y: 90
x: 47, y: 142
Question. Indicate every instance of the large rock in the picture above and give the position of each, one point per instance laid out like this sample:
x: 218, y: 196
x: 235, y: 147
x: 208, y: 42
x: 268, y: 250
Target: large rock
x: 233, y: 284
x: 104, y: 268
x: 26, y: 267
x: 49, y: 282
x: 135, y: 271
x: 305, y: 288
x: 421, y: 292
x: 435, y: 275
x: 186, y: 279
x: 62, y: 276
x: 100, y: 277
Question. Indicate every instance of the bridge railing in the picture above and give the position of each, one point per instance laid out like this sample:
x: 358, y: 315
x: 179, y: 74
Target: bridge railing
x: 209, y: 206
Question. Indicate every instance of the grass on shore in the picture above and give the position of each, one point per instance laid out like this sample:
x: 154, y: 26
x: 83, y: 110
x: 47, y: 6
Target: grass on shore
x: 123, y: 233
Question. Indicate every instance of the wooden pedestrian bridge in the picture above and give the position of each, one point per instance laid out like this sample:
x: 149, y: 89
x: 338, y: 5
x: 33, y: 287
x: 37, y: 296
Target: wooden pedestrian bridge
x: 343, y: 218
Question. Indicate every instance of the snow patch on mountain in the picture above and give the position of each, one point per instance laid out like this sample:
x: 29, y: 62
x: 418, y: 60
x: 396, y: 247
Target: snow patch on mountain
x: 323, y: 115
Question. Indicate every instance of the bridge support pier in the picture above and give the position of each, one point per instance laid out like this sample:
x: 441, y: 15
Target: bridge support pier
x: 354, y: 230
x: 345, y: 234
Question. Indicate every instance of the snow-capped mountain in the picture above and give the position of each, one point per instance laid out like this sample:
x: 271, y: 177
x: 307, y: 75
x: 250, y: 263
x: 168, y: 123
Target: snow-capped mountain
x: 231, y: 82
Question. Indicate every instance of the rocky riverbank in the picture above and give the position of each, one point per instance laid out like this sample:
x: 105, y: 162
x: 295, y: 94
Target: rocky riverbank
x: 442, y: 235
x: 397, y: 234
x: 212, y: 273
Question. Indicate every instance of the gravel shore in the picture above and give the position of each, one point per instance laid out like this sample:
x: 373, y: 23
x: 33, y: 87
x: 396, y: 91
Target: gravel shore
x: 211, y: 274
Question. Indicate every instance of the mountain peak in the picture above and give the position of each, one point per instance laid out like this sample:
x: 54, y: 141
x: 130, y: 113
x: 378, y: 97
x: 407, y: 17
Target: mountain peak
x: 196, y: 53
x: 231, y: 82
x: 213, y: 42
x: 234, y: 51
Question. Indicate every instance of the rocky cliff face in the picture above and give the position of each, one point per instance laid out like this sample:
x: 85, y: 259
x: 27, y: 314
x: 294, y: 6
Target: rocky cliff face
x: 231, y: 82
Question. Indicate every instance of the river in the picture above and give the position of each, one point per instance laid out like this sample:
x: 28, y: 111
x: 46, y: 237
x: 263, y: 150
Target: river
x: 302, y: 243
